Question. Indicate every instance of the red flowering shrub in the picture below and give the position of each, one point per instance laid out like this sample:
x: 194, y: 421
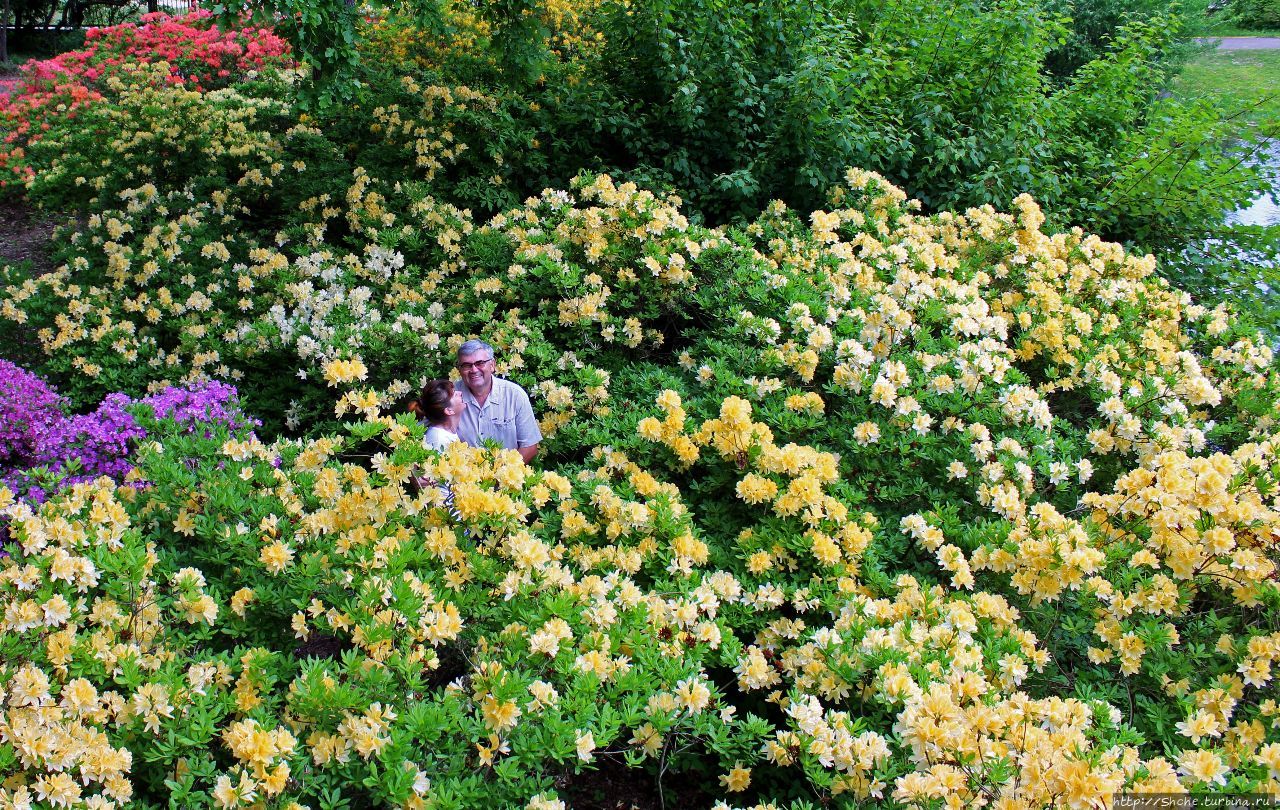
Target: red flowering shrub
x: 199, y: 55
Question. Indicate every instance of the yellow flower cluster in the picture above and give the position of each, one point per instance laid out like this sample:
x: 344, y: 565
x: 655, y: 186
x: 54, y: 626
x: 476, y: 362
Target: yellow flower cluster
x: 58, y: 723
x: 141, y: 299
x: 1056, y: 299
x: 1209, y: 518
x: 211, y: 126
x: 262, y: 768
x: 629, y: 242
x: 345, y: 371
x: 670, y: 431
x: 1047, y: 555
x: 428, y: 134
x: 569, y: 33
x: 394, y: 39
x: 571, y: 30
x: 617, y: 530
x: 733, y: 435
x: 830, y: 534
x: 1212, y: 526
x: 936, y: 674
x: 558, y: 402
x: 810, y: 403
x: 1050, y: 299
x: 362, y: 733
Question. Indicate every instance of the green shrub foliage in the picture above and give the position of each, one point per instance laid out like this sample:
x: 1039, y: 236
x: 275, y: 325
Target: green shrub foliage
x: 1263, y: 14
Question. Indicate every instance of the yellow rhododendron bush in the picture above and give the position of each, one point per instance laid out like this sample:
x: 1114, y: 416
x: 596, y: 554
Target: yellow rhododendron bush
x: 329, y: 632
x: 857, y: 507
x: 568, y: 30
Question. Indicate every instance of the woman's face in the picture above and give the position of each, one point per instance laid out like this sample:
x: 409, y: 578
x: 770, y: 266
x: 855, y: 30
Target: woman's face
x: 455, y: 401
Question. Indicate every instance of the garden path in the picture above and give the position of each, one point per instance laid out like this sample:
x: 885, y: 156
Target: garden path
x: 24, y: 235
x: 1245, y: 43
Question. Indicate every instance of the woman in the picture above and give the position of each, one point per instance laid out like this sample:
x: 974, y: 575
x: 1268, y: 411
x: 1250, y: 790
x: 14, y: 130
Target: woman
x: 439, y: 404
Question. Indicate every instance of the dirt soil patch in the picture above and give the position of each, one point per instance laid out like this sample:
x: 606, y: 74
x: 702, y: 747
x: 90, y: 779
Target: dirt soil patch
x: 24, y: 236
x: 614, y: 786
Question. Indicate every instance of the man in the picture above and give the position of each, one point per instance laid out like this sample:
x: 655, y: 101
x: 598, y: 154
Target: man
x: 494, y: 408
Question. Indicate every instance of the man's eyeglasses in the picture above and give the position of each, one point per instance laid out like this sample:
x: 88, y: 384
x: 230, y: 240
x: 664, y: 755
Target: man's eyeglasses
x: 476, y: 364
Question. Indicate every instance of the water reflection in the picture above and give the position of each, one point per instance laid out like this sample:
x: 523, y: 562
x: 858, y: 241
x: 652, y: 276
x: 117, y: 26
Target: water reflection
x: 1264, y: 209
x: 1241, y: 263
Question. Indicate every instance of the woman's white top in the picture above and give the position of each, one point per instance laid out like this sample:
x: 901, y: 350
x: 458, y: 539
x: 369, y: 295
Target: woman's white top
x: 438, y: 438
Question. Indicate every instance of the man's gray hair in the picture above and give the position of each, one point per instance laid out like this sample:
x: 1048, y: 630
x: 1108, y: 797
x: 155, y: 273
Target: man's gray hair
x: 476, y: 347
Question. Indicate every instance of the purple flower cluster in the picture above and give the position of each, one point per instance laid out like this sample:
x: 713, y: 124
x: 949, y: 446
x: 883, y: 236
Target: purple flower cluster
x: 40, y: 445
x: 28, y: 408
x: 94, y: 444
x: 199, y: 407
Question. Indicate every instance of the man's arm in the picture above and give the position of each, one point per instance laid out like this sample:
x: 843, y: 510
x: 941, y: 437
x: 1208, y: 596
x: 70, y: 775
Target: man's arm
x: 528, y: 434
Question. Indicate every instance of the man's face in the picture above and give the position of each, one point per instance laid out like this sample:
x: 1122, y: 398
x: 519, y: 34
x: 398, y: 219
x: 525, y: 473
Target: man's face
x: 476, y: 370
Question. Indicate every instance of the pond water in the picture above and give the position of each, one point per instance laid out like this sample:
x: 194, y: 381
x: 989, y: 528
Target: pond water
x: 1255, y: 255
x: 1241, y: 264
x: 1264, y: 209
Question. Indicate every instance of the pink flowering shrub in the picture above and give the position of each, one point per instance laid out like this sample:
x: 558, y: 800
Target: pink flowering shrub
x: 199, y: 53
x: 195, y: 54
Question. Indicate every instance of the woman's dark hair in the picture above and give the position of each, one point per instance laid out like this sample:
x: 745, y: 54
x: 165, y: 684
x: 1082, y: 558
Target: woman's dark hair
x: 432, y: 400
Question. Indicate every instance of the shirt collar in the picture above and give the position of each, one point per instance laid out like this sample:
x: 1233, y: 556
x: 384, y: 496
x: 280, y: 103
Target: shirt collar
x: 469, y: 399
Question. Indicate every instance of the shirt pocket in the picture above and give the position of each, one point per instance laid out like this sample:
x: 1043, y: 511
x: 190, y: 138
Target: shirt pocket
x: 503, y: 428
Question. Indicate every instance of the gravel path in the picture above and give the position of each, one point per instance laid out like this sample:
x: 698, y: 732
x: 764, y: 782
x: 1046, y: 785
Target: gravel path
x: 24, y: 234
x: 1245, y: 43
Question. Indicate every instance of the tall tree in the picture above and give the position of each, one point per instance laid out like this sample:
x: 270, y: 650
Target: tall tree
x: 4, y: 33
